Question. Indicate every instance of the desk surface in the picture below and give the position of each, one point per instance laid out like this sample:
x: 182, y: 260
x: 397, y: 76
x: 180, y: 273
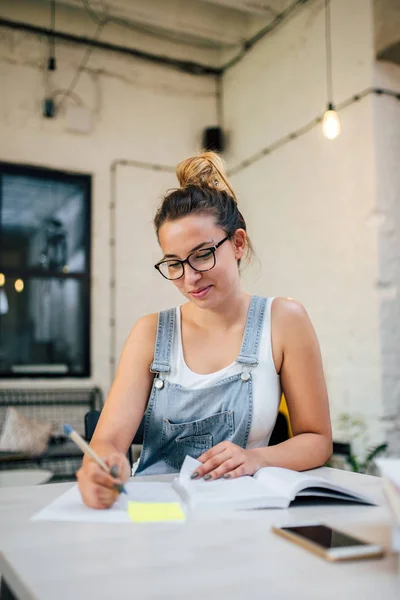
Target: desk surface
x: 231, y: 557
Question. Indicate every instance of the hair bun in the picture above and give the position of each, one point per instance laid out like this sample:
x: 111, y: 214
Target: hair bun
x: 204, y: 170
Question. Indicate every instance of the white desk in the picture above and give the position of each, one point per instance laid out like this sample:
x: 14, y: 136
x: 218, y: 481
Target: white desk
x: 24, y: 477
x: 234, y: 558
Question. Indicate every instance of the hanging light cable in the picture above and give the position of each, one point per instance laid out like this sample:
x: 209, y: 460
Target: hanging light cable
x: 51, y: 62
x: 330, y: 122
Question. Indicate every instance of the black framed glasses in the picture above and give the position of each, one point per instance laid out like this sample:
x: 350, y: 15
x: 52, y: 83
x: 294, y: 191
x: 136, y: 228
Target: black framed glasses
x: 200, y: 260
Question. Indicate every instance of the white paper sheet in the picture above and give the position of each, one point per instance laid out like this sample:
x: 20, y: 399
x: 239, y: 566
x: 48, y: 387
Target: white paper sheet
x: 188, y: 468
x: 70, y: 507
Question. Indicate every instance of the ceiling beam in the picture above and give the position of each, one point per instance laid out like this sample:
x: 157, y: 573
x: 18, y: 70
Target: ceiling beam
x: 208, y: 24
x: 255, y: 8
x: 186, y: 66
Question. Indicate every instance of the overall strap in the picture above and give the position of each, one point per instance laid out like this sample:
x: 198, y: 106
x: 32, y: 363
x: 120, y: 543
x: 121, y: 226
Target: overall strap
x: 252, y: 334
x: 165, y: 336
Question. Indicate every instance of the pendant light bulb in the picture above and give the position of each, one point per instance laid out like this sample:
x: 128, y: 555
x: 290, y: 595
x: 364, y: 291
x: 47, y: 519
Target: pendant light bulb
x: 331, y: 123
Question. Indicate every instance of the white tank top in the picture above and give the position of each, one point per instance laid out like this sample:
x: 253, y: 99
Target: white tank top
x: 266, y: 382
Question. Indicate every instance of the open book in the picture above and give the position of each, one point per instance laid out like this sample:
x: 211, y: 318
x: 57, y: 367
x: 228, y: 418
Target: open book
x: 270, y: 487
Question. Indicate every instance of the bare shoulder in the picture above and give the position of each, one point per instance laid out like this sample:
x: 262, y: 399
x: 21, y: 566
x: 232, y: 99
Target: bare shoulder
x: 143, y: 336
x: 288, y: 308
x: 290, y: 322
x: 146, y: 326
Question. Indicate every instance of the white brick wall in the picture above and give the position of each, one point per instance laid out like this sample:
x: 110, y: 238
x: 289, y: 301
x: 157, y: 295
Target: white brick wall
x: 311, y: 205
x: 387, y: 157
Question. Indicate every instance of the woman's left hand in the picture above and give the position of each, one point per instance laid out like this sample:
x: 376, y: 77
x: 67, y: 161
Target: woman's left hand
x: 227, y: 460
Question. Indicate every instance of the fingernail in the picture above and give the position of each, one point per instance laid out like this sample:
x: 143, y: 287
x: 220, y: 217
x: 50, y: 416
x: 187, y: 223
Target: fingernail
x: 114, y: 470
x: 207, y: 477
x: 226, y: 476
x: 195, y: 474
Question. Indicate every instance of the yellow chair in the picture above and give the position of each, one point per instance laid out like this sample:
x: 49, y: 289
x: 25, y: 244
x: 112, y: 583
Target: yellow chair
x: 282, y: 430
x: 285, y: 411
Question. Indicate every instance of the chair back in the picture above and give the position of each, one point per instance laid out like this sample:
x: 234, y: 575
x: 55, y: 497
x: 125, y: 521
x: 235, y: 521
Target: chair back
x: 280, y: 432
x: 91, y: 419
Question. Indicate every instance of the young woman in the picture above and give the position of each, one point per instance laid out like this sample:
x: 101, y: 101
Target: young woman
x: 209, y: 374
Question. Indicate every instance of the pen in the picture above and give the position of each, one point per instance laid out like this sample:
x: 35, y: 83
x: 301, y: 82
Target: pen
x: 86, y: 449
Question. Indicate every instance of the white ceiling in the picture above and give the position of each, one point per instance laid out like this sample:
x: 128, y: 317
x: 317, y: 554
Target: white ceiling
x: 213, y: 23
x: 198, y: 36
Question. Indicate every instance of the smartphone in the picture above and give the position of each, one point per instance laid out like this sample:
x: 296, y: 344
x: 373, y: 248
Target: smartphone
x: 329, y: 543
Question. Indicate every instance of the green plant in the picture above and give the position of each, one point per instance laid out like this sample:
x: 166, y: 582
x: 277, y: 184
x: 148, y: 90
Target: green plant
x: 365, y: 465
x: 355, y: 432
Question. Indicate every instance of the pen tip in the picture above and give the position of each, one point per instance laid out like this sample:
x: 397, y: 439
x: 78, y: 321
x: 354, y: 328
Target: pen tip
x: 67, y: 429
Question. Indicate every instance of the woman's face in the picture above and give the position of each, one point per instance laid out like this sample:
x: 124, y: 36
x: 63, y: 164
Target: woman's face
x: 180, y: 238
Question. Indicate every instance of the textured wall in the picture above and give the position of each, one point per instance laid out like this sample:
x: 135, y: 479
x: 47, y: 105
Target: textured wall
x: 140, y: 112
x: 387, y: 157
x: 311, y: 205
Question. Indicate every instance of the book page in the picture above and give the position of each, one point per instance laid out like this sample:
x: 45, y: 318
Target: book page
x: 219, y: 489
x: 239, y: 491
x: 285, y: 481
x: 291, y: 483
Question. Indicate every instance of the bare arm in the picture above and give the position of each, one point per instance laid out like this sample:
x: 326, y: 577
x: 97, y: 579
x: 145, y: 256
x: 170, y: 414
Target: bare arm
x: 297, y: 350
x: 120, y: 417
x: 126, y: 402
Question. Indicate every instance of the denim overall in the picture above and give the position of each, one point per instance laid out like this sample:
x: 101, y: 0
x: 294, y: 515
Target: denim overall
x: 181, y: 421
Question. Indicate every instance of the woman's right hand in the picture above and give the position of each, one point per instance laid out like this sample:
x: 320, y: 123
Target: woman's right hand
x: 97, y: 487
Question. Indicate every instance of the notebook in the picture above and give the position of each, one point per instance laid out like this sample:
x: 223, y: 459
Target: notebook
x: 270, y: 487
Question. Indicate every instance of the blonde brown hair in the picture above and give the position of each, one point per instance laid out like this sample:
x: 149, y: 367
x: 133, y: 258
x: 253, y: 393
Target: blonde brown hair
x: 207, y: 169
x: 205, y: 188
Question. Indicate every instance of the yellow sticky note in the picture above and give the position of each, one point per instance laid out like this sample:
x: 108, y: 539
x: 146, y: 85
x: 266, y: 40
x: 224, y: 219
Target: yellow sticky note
x: 151, y: 512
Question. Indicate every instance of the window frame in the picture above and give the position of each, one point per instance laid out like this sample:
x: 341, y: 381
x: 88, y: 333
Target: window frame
x: 85, y: 181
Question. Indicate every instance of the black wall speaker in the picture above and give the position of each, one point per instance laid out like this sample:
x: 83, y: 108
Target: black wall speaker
x: 213, y: 139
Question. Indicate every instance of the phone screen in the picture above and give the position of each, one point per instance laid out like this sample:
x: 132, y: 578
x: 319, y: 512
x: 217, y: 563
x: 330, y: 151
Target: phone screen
x: 324, y: 536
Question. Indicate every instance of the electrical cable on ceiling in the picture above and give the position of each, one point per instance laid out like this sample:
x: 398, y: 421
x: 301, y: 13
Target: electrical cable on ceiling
x: 48, y: 108
x: 248, y: 44
x: 328, y: 50
x: 51, y: 63
x: 98, y: 19
x: 184, y: 66
x: 331, y: 121
x: 70, y: 94
x: 82, y: 65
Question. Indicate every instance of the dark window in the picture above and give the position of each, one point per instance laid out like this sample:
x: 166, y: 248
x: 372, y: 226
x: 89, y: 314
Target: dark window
x: 44, y: 272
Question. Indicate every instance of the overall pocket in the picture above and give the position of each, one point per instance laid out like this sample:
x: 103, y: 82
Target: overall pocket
x: 194, y: 438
